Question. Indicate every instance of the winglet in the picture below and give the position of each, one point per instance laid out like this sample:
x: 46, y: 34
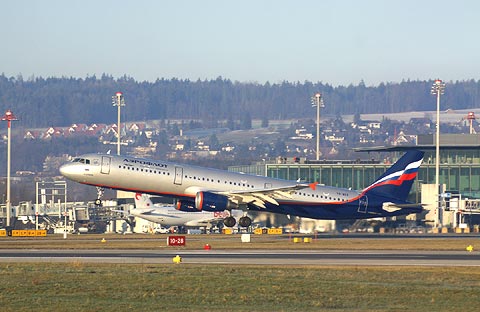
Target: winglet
x: 313, y: 185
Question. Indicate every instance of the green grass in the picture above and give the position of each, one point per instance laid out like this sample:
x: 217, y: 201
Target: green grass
x: 79, y: 286
x: 147, y: 241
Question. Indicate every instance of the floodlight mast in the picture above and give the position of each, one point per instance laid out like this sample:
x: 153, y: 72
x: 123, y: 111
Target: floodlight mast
x: 438, y: 88
x: 9, y: 117
x: 317, y: 101
x: 119, y: 101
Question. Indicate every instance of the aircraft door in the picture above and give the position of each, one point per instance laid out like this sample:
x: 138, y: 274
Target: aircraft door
x: 105, y: 166
x: 363, y: 204
x: 178, y: 175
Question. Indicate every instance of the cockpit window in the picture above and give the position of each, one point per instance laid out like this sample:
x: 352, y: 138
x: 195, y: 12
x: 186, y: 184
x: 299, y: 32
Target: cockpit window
x: 82, y: 160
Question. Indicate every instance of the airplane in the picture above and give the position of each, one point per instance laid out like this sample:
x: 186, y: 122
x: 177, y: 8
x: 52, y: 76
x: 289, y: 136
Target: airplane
x: 167, y: 215
x: 205, y: 189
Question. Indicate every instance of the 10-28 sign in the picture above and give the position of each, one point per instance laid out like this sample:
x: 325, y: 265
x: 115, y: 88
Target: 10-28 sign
x: 177, y: 240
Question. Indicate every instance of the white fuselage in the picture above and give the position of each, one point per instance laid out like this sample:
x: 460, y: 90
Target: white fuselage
x: 169, y: 216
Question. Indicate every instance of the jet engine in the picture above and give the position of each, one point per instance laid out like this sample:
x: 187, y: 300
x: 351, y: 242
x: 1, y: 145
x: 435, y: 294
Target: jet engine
x: 185, y: 205
x: 209, y: 201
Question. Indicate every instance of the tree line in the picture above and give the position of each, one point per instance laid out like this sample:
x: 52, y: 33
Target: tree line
x: 44, y: 102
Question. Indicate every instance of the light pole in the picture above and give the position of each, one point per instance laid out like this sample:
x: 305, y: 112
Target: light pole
x: 119, y: 101
x: 317, y: 101
x: 9, y: 117
x: 438, y: 88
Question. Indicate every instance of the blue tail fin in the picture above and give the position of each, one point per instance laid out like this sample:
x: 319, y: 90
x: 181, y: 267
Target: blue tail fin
x: 397, y: 181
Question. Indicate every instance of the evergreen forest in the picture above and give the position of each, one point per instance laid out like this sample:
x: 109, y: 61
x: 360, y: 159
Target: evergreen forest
x: 44, y: 102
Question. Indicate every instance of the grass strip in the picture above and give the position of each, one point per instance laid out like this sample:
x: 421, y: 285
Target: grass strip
x: 80, y: 286
x: 146, y: 241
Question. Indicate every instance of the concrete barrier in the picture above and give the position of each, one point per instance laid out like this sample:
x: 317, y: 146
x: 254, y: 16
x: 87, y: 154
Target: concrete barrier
x: 275, y: 231
x: 29, y: 233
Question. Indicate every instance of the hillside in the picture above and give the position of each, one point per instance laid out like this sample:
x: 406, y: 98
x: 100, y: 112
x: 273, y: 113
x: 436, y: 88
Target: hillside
x: 44, y: 102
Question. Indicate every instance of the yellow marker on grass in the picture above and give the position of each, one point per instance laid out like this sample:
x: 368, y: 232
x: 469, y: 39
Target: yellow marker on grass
x: 177, y: 259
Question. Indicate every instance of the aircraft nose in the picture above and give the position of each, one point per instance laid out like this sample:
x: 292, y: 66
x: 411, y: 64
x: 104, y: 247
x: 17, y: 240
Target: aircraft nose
x: 67, y: 170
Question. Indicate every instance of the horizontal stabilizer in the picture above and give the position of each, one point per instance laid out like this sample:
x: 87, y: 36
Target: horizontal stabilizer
x: 391, y: 207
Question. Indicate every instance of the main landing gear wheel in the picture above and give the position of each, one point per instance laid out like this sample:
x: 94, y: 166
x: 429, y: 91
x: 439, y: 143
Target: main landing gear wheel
x: 100, y: 191
x: 245, y: 221
x: 229, y: 221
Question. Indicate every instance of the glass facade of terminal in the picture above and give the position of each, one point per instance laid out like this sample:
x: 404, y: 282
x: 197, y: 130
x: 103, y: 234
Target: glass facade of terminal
x: 459, y: 171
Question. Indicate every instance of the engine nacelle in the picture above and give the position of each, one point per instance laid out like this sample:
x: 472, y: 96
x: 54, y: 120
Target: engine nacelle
x: 185, y: 205
x: 208, y: 201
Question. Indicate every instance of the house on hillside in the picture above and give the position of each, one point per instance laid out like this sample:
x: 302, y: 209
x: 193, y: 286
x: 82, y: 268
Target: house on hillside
x: 405, y: 139
x: 136, y: 128
x: 96, y: 129
x: 32, y: 135
x: 302, y: 134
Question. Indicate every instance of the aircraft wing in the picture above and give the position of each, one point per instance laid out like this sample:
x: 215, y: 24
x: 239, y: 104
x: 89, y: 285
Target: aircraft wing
x: 260, y: 197
x: 143, y: 211
x: 146, y: 211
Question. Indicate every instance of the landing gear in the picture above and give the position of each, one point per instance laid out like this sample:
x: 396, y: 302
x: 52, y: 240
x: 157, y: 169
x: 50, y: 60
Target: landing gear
x: 100, y: 191
x: 229, y: 221
x: 245, y: 221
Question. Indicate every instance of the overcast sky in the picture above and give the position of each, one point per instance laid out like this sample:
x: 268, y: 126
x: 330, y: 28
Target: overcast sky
x: 332, y: 41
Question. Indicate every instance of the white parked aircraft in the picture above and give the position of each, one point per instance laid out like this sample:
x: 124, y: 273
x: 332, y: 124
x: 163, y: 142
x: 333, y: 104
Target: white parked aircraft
x: 167, y: 215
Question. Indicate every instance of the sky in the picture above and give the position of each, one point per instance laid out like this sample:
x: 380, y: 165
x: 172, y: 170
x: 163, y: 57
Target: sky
x: 339, y: 42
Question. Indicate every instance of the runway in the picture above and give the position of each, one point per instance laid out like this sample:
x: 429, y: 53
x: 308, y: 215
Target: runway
x: 254, y: 257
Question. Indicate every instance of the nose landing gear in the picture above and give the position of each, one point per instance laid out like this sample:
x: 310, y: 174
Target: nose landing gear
x: 100, y: 192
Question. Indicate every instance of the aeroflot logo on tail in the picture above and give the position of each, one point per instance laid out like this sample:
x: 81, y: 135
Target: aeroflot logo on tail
x: 397, y: 178
x: 144, y: 162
